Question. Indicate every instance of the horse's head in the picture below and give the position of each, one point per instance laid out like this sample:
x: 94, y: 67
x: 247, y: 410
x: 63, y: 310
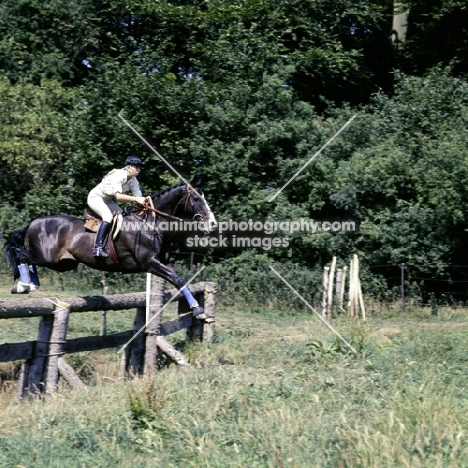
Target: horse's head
x: 195, y: 204
x: 185, y: 202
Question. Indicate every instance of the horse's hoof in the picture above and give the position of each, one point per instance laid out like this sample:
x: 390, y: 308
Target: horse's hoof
x: 196, y: 311
x: 205, y: 318
x: 20, y: 288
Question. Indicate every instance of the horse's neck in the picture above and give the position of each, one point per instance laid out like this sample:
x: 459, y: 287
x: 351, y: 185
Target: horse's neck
x: 168, y: 202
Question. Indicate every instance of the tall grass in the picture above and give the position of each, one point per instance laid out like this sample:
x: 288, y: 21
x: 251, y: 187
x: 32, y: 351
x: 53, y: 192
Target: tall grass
x: 261, y: 395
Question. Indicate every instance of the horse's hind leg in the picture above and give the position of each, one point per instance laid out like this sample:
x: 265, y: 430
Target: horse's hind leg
x: 35, y: 283
x: 192, y: 302
x: 29, y: 280
x: 197, y: 311
x: 168, y: 273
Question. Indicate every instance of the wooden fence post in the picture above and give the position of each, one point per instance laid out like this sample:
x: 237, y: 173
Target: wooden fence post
x: 351, y: 288
x: 170, y: 351
x: 325, y: 291
x: 343, y: 287
x: 153, y: 324
x: 33, y: 374
x: 195, y: 331
x: 210, y: 310
x: 133, y: 356
x: 105, y: 290
x: 59, y: 335
x: 330, y: 287
x: 339, y: 285
x: 356, y: 300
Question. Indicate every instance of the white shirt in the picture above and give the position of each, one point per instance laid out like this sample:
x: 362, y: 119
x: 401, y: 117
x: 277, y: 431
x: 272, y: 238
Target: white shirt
x: 116, y: 181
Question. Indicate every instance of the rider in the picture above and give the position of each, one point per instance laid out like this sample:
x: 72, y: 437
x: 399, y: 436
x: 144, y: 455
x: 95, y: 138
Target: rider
x: 114, y: 185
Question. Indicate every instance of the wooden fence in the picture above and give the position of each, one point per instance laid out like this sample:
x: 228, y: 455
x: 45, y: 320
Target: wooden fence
x: 43, y: 359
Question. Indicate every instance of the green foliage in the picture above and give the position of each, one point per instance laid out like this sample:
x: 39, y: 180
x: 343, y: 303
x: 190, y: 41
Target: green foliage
x: 247, y: 92
x: 36, y: 153
x: 427, y: 22
x: 146, y: 401
x: 322, y: 349
x: 247, y: 279
x: 408, y: 179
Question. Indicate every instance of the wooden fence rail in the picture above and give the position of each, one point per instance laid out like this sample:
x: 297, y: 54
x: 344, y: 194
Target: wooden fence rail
x: 43, y: 359
x: 29, y: 307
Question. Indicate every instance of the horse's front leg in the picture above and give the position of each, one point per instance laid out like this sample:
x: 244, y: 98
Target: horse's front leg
x: 168, y: 273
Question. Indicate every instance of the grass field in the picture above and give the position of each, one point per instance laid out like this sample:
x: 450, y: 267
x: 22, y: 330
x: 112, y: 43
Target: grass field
x: 274, y: 389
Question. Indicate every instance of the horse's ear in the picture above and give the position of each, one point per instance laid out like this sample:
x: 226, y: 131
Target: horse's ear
x: 197, y: 181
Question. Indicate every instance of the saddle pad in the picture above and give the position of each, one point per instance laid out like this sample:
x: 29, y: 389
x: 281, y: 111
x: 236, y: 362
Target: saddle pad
x: 92, y: 224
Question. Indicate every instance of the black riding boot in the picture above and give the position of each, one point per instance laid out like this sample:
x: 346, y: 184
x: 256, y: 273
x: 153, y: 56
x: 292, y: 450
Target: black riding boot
x: 98, y: 250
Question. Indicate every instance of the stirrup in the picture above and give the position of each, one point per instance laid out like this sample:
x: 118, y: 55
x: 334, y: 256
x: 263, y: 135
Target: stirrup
x: 99, y: 252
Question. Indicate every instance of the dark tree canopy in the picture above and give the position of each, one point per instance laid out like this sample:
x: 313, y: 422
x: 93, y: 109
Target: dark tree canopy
x: 246, y: 91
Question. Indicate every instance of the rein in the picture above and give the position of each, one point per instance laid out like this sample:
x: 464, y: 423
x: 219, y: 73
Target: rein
x: 149, y: 207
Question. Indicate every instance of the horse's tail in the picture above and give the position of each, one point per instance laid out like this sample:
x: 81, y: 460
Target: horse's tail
x: 16, y: 252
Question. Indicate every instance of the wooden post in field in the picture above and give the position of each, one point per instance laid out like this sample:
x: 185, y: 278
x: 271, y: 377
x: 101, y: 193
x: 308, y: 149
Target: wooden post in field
x: 32, y: 379
x: 341, y: 281
x: 331, y: 281
x: 356, y: 285
x: 345, y: 271
x: 356, y: 301
x: 68, y: 373
x: 105, y: 290
x: 133, y: 356
x: 195, y: 331
x: 351, y: 289
x: 361, y: 301
x: 325, y: 290
x: 170, y: 351
x: 59, y: 335
x: 153, y: 323
x: 210, y: 310
x: 200, y: 330
x: 402, y: 267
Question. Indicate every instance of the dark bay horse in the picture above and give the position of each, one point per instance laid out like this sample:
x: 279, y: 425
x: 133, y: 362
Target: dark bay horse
x: 61, y: 242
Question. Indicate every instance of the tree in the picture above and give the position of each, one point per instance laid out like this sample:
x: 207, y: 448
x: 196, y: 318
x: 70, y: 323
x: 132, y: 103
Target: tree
x: 38, y: 159
x: 437, y: 34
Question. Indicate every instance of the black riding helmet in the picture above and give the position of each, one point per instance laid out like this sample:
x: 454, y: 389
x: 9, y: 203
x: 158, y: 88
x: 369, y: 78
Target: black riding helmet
x: 134, y: 161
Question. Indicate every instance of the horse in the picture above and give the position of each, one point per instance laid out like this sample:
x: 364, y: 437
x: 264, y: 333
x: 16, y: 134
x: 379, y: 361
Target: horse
x: 61, y: 242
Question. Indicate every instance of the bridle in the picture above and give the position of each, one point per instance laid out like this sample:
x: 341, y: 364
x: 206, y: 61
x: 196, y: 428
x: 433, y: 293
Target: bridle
x: 149, y: 207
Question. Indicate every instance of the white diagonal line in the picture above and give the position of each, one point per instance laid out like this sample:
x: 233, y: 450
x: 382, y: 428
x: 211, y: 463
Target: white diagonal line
x: 312, y: 158
x: 313, y: 310
x: 153, y: 149
x: 160, y: 310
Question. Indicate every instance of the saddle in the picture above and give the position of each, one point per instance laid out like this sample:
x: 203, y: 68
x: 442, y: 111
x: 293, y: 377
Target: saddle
x: 93, y: 221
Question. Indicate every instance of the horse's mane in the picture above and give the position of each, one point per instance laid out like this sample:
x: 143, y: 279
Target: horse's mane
x: 166, y: 190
